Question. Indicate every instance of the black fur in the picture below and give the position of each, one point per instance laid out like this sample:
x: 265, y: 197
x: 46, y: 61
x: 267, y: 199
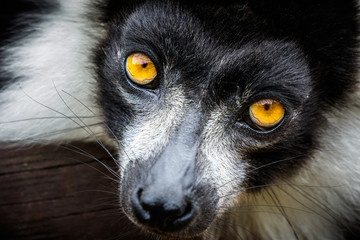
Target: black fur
x: 280, y: 50
x: 221, y: 53
x: 301, y: 53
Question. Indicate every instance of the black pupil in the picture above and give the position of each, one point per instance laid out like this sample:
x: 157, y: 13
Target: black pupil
x: 144, y: 64
x: 267, y: 107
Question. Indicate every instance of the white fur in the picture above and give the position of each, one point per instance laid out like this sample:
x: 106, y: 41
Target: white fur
x: 142, y: 137
x: 52, y: 61
x: 55, y: 60
x: 221, y: 157
x: 318, y: 199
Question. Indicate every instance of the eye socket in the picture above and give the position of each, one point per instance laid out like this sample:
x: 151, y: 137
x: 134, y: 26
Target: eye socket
x: 266, y: 114
x: 140, y: 69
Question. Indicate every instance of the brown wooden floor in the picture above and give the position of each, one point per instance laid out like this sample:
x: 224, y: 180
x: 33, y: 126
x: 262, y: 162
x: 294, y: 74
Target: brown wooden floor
x: 51, y: 192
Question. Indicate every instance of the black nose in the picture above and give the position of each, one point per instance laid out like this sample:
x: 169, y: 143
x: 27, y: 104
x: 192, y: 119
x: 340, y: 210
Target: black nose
x: 162, y: 210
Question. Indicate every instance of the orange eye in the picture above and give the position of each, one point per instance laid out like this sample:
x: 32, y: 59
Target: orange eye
x: 266, y: 113
x: 140, y: 68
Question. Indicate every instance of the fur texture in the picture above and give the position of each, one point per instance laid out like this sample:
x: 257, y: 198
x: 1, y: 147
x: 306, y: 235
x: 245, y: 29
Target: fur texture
x: 49, y: 56
x: 188, y: 142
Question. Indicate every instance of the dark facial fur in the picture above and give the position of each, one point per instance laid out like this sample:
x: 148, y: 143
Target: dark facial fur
x: 192, y: 162
x: 223, y: 57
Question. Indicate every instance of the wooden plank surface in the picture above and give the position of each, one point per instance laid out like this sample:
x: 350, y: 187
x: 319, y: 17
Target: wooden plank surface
x: 52, y: 192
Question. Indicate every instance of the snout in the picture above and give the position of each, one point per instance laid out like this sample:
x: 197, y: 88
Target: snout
x: 163, y: 209
x: 163, y: 199
x: 169, y: 194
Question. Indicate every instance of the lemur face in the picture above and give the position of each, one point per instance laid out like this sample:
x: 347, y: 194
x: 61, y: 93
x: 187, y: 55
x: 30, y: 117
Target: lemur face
x: 234, y: 119
x: 205, y: 111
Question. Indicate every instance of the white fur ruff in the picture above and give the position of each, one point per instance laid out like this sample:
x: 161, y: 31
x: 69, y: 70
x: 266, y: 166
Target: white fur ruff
x: 54, y: 86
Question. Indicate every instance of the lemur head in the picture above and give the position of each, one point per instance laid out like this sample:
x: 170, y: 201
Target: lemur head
x: 210, y: 103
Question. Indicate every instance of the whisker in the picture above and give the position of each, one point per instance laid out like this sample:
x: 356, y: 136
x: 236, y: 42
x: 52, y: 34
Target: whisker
x: 52, y: 133
x: 102, y: 191
x: 104, y: 123
x: 263, y: 166
x: 251, y: 211
x: 225, y: 221
x: 87, y: 129
x: 45, y: 118
x: 83, y: 153
x: 276, y: 185
x: 78, y: 100
x: 276, y: 200
x: 238, y: 208
x: 56, y: 111
x: 89, y: 155
x: 315, y: 201
x: 94, y: 168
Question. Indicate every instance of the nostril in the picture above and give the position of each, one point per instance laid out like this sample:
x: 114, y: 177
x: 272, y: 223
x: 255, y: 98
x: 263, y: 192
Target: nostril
x: 188, y: 210
x: 180, y: 218
x: 139, y: 192
x: 140, y: 212
x: 164, y: 212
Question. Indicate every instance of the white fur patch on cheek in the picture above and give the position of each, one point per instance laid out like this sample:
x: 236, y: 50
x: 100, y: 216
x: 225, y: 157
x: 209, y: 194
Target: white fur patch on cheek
x: 149, y: 134
x: 221, y: 159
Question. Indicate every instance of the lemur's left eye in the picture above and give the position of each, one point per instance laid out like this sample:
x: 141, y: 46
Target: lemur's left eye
x: 140, y: 68
x: 266, y: 114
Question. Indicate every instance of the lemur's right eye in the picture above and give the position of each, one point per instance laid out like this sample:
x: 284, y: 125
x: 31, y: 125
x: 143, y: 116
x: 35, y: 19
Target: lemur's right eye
x: 265, y: 114
x: 140, y: 68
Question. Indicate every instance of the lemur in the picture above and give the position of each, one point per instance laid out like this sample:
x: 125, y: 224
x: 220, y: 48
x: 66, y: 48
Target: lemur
x: 232, y: 119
